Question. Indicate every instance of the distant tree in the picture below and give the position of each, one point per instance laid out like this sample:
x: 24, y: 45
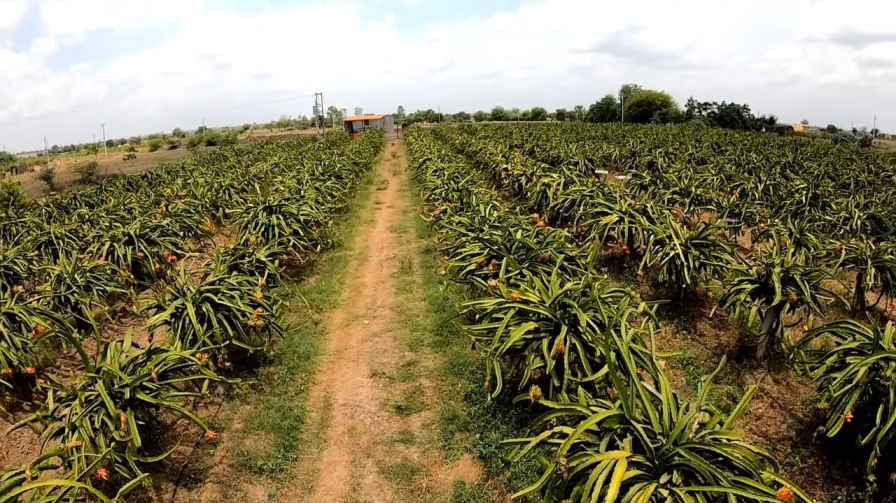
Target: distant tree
x: 110, y: 143
x: 830, y: 128
x: 560, y: 114
x: 399, y: 114
x: 605, y: 110
x: 7, y: 158
x: 461, y: 116
x: 178, y: 133
x: 499, y: 114
x: 843, y: 138
x: 538, y: 114
x: 875, y: 132
x: 733, y: 116
x: 428, y: 115
x: 628, y: 91
x: 579, y: 112
x: 647, y: 105
x: 726, y: 115
x: 514, y: 114
x: 481, y: 116
x: 334, y: 115
x: 359, y: 111
x: 154, y: 144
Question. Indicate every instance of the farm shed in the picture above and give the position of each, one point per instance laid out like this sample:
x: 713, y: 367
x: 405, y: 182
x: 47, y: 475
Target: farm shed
x: 357, y: 124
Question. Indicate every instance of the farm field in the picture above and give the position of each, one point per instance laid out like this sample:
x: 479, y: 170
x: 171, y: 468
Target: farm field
x: 66, y: 166
x: 493, y: 312
x: 130, y: 308
x: 682, y: 313
x: 108, y: 165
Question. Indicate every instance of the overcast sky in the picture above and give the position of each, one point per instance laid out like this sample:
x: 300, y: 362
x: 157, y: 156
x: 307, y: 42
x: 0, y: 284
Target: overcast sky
x: 143, y: 66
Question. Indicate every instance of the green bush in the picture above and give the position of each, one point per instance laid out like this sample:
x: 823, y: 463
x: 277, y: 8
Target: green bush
x: 11, y: 193
x: 155, y: 144
x: 88, y: 172
x: 48, y: 176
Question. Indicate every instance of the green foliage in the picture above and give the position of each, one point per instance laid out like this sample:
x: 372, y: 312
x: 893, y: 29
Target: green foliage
x: 855, y: 372
x: 154, y: 144
x: 11, y: 193
x: 614, y: 429
x: 81, y: 288
x: 558, y: 330
x: 67, y: 263
x: 16, y: 265
x: 727, y: 115
x: 605, y: 110
x: 34, y: 483
x: 258, y: 261
x: 88, y: 173
x: 25, y: 326
x: 231, y: 314
x: 279, y: 218
x: 649, y: 445
x: 647, y: 105
x: 499, y: 114
x: 107, y: 422
x: 210, y: 138
x: 47, y: 175
x: 769, y: 287
x: 684, y: 254
x: 874, y: 265
x: 7, y: 158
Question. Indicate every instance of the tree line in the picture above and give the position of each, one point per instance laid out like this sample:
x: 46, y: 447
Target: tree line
x: 634, y: 103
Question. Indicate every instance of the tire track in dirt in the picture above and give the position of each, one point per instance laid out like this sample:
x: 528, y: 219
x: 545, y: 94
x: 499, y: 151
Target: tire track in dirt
x: 354, y: 416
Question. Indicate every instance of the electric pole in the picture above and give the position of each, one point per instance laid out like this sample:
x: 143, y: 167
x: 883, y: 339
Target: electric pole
x: 319, y: 107
x: 105, y: 148
x: 622, y: 104
x: 47, y: 152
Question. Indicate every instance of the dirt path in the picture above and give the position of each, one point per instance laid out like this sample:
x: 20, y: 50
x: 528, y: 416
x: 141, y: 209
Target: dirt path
x: 370, y: 400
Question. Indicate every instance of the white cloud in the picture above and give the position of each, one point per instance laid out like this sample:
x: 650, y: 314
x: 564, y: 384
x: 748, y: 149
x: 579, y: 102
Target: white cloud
x: 819, y: 59
x: 73, y: 18
x: 11, y: 12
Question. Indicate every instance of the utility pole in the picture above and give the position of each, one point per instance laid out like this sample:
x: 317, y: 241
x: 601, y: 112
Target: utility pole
x: 874, y: 129
x: 105, y: 148
x: 319, y: 106
x: 622, y: 105
x: 47, y: 152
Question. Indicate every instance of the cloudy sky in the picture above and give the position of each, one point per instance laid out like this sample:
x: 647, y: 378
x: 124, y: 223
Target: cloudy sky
x: 142, y: 66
